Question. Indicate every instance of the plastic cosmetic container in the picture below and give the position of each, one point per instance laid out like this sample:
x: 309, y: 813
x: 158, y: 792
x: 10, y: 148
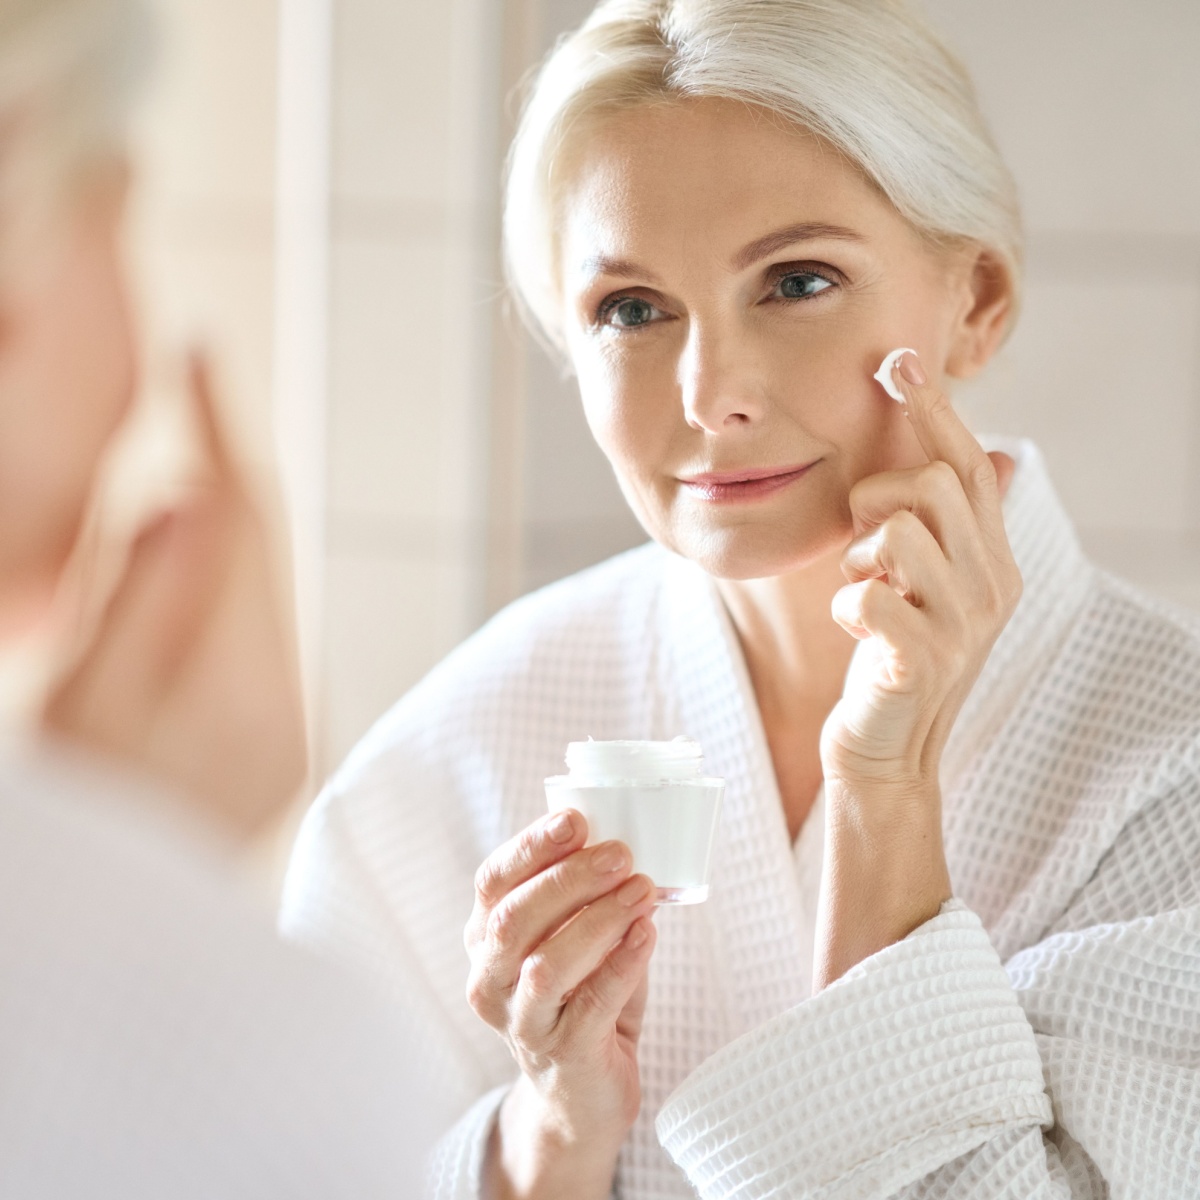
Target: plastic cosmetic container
x: 654, y: 797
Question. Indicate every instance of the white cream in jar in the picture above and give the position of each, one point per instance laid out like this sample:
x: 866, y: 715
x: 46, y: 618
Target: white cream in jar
x: 654, y: 797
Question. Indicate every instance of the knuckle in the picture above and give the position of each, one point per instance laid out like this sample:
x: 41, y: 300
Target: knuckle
x: 562, y: 880
x: 539, y: 978
x: 492, y: 877
x: 592, y: 999
x: 502, y: 925
x: 1003, y: 592
x: 619, y: 967
x: 479, y: 995
x: 902, y: 528
x: 486, y: 881
x: 999, y: 593
x: 858, y: 559
x: 872, y: 597
x: 938, y: 479
x: 982, y: 472
x: 938, y: 409
x: 607, y: 985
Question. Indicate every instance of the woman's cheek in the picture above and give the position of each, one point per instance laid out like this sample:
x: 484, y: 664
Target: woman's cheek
x: 632, y: 434
x: 618, y: 414
x: 600, y: 410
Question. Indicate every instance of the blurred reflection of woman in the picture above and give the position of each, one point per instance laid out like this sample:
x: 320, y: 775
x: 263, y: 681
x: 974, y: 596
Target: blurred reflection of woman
x: 953, y: 945
x: 156, y: 1038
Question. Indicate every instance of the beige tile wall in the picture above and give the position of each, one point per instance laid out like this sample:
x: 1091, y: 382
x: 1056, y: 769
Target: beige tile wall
x: 413, y: 281
x: 203, y: 216
x: 1096, y: 105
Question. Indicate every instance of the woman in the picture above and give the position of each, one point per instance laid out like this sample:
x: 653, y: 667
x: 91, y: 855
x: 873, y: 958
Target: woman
x: 156, y: 1038
x: 953, y: 944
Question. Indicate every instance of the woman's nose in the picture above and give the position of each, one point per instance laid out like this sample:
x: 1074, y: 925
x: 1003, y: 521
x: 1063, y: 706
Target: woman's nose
x: 718, y: 385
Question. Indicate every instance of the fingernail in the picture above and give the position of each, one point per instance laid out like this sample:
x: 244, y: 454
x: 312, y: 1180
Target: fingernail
x: 637, y: 935
x: 911, y: 369
x: 633, y: 892
x: 609, y: 858
x: 561, y: 829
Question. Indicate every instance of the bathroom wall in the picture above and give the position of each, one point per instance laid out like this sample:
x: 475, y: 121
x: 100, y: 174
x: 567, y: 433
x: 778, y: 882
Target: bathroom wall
x: 202, y: 228
x: 1096, y: 104
x: 572, y: 513
x: 415, y: 146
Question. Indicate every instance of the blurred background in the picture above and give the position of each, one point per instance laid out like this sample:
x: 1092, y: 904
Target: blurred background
x: 320, y: 204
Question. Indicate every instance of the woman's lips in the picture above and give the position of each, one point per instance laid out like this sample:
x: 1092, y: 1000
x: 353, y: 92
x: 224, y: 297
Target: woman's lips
x: 723, y: 487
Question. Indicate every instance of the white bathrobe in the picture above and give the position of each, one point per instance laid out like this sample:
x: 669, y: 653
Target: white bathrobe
x: 1038, y: 1038
x: 157, y: 1040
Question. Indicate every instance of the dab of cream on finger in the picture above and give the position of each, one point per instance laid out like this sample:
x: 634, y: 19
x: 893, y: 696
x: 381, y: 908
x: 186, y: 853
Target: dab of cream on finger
x: 884, y: 374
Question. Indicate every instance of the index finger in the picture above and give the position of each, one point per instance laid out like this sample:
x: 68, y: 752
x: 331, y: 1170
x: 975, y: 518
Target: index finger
x: 945, y: 438
x: 535, y: 848
x: 213, y: 435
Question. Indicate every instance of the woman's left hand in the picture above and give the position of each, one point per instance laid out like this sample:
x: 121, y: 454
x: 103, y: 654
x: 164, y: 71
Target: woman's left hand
x: 932, y: 584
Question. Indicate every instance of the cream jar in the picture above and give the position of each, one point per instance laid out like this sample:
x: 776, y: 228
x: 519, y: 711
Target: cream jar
x: 654, y: 797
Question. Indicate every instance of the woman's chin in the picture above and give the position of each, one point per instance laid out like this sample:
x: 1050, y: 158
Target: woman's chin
x: 759, y: 553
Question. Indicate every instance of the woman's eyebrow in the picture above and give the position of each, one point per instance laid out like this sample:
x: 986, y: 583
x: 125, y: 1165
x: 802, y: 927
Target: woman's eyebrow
x: 789, y: 235
x: 603, y: 264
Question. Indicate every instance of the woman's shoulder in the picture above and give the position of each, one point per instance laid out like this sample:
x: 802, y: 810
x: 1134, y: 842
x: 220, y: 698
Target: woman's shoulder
x: 575, y: 646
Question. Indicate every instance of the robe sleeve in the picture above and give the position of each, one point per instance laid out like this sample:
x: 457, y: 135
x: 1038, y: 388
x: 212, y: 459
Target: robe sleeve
x: 933, y: 1070
x: 456, y: 1164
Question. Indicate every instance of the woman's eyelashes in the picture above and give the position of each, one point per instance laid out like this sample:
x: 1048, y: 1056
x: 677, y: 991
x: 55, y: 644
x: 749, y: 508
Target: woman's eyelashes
x: 801, y: 283
x: 789, y: 283
x: 627, y: 312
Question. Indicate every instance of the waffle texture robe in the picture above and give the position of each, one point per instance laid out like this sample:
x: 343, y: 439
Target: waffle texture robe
x: 1040, y: 1037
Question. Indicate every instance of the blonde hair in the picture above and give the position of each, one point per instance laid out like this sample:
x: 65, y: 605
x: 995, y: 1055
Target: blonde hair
x: 868, y: 76
x: 69, y: 70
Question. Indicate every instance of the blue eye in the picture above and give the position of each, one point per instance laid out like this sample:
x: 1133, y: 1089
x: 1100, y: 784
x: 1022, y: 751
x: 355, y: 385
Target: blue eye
x: 802, y: 284
x: 630, y: 313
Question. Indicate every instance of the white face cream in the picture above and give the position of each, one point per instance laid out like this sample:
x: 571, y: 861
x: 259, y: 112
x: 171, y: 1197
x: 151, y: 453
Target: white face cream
x: 654, y: 797
x: 884, y: 374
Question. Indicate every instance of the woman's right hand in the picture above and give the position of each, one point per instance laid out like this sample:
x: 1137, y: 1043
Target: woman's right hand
x: 191, y: 676
x: 560, y: 940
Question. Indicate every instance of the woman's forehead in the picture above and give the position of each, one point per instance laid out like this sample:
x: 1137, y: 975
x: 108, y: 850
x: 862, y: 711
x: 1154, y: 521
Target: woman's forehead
x: 711, y: 177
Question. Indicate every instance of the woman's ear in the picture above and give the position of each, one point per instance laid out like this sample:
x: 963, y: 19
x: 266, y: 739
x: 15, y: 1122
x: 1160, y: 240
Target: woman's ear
x: 989, y: 296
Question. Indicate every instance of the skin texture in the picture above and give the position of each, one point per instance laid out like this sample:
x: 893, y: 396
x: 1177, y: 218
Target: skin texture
x: 191, y: 675
x: 705, y: 340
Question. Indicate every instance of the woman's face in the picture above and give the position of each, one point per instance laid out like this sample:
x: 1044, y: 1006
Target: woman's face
x: 731, y: 285
x: 67, y: 375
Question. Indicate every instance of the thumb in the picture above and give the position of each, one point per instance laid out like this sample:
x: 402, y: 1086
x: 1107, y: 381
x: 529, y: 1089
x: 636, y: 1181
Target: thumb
x: 1005, y: 468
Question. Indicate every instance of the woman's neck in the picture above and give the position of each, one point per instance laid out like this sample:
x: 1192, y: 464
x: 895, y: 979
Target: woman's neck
x: 797, y: 658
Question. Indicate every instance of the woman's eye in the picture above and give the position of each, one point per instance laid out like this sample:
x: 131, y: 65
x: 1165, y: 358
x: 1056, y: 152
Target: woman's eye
x: 629, y: 313
x: 802, y: 284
